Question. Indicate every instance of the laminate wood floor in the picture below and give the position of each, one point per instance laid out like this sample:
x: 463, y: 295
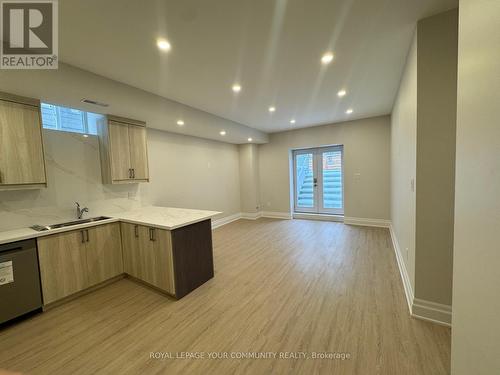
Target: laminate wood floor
x: 280, y: 286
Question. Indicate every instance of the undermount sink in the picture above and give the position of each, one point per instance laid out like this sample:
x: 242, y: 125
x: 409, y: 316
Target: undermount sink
x: 41, y: 228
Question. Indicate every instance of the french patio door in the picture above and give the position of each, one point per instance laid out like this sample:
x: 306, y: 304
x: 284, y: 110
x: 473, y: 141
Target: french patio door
x: 318, y: 180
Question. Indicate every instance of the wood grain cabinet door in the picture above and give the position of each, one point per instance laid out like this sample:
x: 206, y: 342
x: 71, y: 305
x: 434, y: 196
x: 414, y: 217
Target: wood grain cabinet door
x: 119, y: 149
x: 21, y: 150
x: 138, y: 152
x: 63, y: 265
x: 163, y: 263
x: 133, y: 239
x: 103, y: 252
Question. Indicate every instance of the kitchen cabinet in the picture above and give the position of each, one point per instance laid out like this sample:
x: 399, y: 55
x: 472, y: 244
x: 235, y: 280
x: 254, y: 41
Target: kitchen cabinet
x: 103, y: 253
x: 176, y: 261
x: 135, y: 240
x: 123, y: 149
x: 22, y: 163
x: 63, y: 264
x: 147, y: 254
x: 73, y: 261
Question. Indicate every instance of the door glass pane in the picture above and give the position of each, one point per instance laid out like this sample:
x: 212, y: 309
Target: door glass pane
x: 332, y: 179
x: 304, y: 180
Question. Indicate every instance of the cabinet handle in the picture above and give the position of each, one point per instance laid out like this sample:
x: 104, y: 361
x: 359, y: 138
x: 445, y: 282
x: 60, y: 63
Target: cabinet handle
x: 133, y: 172
x: 136, y: 230
x: 152, y: 234
x: 87, y: 231
x: 130, y: 173
x: 83, y: 236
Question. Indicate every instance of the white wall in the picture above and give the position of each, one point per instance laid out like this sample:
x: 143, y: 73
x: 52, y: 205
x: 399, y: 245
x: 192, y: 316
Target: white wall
x: 403, y: 162
x: 192, y: 173
x: 366, y: 165
x: 184, y: 171
x: 436, y: 133
x: 249, y: 178
x: 476, y: 277
x: 423, y: 164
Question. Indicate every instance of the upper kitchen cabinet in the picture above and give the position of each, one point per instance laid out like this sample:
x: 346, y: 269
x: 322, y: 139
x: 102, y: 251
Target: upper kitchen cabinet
x: 124, y: 151
x: 22, y: 164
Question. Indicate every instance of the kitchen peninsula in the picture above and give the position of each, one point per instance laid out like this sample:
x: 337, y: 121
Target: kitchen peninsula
x: 169, y: 249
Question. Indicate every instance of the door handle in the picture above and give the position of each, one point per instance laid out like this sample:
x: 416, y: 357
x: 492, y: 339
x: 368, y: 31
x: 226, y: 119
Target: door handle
x: 136, y: 231
x: 315, y: 180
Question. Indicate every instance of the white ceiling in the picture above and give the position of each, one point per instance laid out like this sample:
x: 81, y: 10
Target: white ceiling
x: 271, y: 47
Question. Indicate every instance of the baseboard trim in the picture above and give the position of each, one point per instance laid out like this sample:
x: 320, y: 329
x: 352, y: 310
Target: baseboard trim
x: 420, y: 309
x: 322, y: 217
x: 366, y: 222
x: 402, y: 269
x: 225, y: 220
x: 431, y: 311
x: 277, y: 215
x: 251, y: 215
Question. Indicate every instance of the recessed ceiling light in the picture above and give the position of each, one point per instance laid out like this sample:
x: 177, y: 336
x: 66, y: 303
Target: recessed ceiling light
x: 163, y: 44
x: 292, y: 121
x: 180, y: 122
x: 342, y: 93
x: 236, y: 87
x: 250, y: 139
x: 327, y: 58
x: 349, y: 111
x: 272, y: 109
x: 222, y: 132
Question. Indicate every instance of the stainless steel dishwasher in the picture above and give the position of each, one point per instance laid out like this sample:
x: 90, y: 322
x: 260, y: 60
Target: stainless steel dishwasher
x: 20, y: 291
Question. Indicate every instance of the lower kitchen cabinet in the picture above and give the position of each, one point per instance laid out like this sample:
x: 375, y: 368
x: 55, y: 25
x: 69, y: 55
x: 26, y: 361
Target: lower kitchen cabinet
x: 147, y: 255
x: 73, y: 261
x: 63, y: 265
x: 176, y: 261
x: 104, y: 253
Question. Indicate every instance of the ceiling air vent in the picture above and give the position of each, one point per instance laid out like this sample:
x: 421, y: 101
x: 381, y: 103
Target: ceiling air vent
x: 90, y: 101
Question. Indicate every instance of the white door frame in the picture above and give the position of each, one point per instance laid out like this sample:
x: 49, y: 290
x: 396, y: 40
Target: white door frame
x: 318, y: 204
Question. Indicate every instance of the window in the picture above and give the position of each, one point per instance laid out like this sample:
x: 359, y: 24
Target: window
x: 68, y: 119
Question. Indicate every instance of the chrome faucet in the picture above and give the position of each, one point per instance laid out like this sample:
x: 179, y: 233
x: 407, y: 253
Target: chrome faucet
x: 80, y: 211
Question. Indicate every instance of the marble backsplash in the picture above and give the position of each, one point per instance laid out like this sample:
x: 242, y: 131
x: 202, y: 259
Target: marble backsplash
x: 73, y: 174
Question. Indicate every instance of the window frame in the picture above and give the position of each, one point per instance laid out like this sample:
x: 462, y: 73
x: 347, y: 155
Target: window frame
x: 58, y: 119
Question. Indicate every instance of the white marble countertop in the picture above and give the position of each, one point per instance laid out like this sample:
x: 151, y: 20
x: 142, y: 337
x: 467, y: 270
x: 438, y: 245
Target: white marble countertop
x: 165, y: 217
x: 168, y: 218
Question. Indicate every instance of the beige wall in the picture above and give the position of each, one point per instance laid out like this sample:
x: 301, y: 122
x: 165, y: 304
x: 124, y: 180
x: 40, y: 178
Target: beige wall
x: 436, y: 133
x: 476, y: 276
x: 423, y: 157
x: 403, y: 162
x: 192, y: 173
x: 249, y: 178
x: 366, y: 165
